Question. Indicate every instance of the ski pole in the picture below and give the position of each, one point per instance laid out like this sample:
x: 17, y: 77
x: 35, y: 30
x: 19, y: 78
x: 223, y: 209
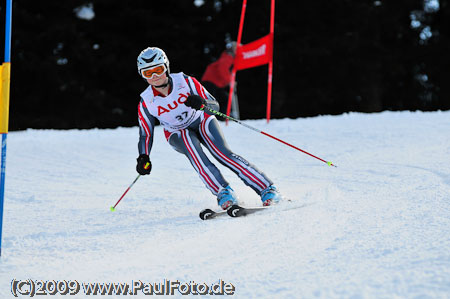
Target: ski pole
x: 266, y: 134
x: 129, y: 187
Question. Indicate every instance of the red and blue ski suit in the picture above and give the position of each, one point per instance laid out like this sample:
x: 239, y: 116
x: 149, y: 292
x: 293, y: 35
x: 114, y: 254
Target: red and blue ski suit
x: 186, y: 129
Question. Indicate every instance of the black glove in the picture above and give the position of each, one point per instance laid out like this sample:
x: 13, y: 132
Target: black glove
x: 142, y: 168
x: 195, y: 102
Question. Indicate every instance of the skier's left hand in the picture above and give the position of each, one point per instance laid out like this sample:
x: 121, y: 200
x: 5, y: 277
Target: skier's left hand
x: 144, y: 166
x: 195, y: 102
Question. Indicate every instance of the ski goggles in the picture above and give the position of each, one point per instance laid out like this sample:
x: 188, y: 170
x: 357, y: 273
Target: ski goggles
x: 157, y: 70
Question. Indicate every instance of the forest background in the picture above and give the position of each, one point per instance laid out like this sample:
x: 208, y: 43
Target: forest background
x: 74, y: 62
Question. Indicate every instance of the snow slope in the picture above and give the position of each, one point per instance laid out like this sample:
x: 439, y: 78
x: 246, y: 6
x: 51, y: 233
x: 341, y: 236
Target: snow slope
x: 378, y: 226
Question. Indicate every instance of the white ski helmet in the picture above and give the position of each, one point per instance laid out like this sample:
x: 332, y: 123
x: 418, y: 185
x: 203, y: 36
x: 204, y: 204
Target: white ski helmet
x: 152, y: 56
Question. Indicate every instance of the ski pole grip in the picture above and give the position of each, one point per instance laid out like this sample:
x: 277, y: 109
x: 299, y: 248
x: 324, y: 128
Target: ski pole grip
x: 147, y: 165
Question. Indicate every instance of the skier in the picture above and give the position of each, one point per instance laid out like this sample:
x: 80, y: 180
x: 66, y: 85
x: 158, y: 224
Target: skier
x: 177, y: 101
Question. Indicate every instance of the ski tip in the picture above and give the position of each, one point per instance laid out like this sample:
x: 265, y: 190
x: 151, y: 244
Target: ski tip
x: 112, y: 209
x: 236, y: 211
x: 206, y: 214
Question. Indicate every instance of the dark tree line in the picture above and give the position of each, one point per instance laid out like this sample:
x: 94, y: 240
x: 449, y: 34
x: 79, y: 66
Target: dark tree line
x: 330, y: 56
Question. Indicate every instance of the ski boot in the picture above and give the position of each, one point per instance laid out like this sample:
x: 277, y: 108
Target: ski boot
x: 226, y: 198
x: 270, y: 196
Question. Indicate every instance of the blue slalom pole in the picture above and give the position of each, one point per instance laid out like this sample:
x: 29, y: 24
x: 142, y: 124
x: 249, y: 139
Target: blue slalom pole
x: 8, y: 31
x: 2, y: 186
x: 6, y: 70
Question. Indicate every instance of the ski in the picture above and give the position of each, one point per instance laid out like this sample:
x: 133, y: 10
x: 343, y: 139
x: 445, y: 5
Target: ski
x: 238, y: 211
x: 233, y: 211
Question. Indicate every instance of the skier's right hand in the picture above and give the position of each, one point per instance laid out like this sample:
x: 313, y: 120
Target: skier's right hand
x: 144, y: 166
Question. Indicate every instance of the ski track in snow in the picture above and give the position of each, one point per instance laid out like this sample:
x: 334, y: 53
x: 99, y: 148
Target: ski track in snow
x: 377, y: 226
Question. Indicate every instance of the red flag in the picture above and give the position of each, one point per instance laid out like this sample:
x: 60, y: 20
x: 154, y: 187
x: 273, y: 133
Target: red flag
x: 256, y: 53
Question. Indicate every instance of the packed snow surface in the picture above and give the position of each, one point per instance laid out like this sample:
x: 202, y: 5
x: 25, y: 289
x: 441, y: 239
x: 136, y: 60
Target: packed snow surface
x: 377, y: 226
